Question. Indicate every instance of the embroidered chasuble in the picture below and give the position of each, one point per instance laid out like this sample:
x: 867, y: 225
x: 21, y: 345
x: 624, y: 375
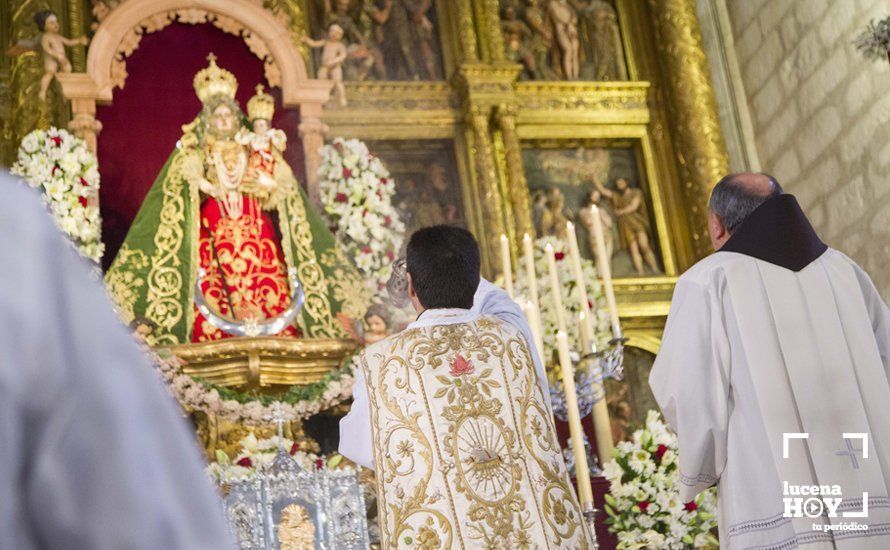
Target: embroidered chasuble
x: 463, y: 440
x: 778, y: 334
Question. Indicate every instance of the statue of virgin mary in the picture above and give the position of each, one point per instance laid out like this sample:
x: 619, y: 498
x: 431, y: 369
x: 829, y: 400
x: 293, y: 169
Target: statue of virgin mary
x: 227, y: 205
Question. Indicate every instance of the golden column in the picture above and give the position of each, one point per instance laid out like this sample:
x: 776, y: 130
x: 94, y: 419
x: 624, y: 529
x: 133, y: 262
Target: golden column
x: 487, y: 180
x: 700, y: 146
x: 492, y: 38
x: 77, y: 28
x: 466, y: 31
x: 516, y: 184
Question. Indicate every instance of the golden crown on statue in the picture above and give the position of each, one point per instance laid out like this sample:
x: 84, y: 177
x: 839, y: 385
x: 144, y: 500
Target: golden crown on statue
x: 261, y: 105
x: 214, y: 80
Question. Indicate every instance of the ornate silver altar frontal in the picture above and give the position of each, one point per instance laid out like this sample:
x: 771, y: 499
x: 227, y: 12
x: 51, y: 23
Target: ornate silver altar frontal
x: 286, y: 507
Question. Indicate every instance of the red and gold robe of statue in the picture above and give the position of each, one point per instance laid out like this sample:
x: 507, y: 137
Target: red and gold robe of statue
x: 241, y: 254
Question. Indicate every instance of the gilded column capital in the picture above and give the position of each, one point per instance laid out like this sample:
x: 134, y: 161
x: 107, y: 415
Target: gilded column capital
x: 701, y: 149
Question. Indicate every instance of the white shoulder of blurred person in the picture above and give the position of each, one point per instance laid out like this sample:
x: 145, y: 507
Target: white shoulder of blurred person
x: 94, y: 454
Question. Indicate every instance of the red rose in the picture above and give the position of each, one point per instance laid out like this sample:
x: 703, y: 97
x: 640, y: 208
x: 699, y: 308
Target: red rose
x: 245, y: 462
x: 341, y: 197
x: 390, y: 255
x: 559, y: 256
x: 294, y: 448
x: 347, y: 173
x: 643, y: 504
x: 57, y: 140
x: 690, y: 506
x: 460, y: 366
x: 82, y: 201
x: 83, y: 182
x: 383, y: 181
x: 338, y: 145
x: 387, y: 221
x: 319, y: 464
x: 660, y: 451
x: 366, y: 250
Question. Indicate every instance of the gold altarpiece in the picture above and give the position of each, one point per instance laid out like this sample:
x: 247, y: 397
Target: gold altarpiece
x: 664, y: 112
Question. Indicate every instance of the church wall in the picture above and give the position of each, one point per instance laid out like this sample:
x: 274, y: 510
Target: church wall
x: 821, y: 116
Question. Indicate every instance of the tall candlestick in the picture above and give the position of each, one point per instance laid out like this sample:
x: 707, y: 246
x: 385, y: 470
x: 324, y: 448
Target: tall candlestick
x: 582, y: 470
x: 584, y: 333
x: 534, y: 321
x: 605, y: 270
x: 529, y: 257
x: 587, y: 323
x: 505, y: 262
x: 555, y: 287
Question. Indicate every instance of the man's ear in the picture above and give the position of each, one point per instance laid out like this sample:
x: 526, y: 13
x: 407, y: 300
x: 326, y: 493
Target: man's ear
x: 411, y: 292
x: 717, y: 230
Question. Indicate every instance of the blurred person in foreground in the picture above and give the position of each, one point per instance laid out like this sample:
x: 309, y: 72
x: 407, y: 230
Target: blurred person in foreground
x: 454, y: 415
x: 773, y: 371
x: 94, y: 454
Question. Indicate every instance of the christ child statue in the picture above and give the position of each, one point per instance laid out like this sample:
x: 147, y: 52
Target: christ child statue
x: 53, y: 46
x: 264, y: 143
x: 333, y: 54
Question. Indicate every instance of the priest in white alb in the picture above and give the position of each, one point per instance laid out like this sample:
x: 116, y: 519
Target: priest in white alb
x: 453, y: 414
x: 773, y: 371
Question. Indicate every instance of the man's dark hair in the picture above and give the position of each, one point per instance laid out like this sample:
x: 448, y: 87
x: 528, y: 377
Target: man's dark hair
x: 40, y: 18
x: 733, y: 201
x: 444, y: 265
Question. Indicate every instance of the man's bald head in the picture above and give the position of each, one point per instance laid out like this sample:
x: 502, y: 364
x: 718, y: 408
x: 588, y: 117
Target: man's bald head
x: 734, y: 198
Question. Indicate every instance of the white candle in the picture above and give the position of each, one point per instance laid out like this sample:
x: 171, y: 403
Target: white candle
x: 582, y: 470
x: 530, y: 275
x: 606, y: 270
x: 505, y: 262
x: 587, y: 331
x: 534, y: 321
x: 555, y: 287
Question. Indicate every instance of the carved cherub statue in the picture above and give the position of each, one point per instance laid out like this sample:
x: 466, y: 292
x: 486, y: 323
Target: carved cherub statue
x: 262, y: 140
x: 295, y: 530
x: 333, y: 54
x: 51, y: 44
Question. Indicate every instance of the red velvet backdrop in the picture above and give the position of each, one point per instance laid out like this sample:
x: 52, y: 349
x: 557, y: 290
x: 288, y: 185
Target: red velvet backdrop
x: 141, y: 126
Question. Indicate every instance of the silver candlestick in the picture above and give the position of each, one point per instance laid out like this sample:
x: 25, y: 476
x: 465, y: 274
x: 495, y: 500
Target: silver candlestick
x: 589, y: 513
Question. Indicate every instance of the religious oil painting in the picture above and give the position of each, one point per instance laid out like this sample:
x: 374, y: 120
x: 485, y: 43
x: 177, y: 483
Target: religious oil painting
x: 428, y: 188
x: 563, y: 39
x: 566, y: 178
x: 384, y: 39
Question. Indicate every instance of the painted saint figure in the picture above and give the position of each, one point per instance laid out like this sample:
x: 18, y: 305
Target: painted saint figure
x: 634, y: 232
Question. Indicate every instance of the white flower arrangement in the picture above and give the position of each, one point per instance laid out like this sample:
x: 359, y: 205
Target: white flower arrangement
x: 569, y: 296
x: 195, y: 395
x: 644, y: 504
x: 356, y: 191
x: 62, y: 167
x: 255, y: 456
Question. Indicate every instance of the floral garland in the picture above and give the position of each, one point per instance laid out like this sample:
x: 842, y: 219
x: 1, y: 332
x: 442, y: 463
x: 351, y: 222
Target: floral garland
x: 255, y: 456
x: 569, y: 296
x: 357, y: 192
x: 67, y: 173
x: 298, y: 403
x: 644, y: 504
